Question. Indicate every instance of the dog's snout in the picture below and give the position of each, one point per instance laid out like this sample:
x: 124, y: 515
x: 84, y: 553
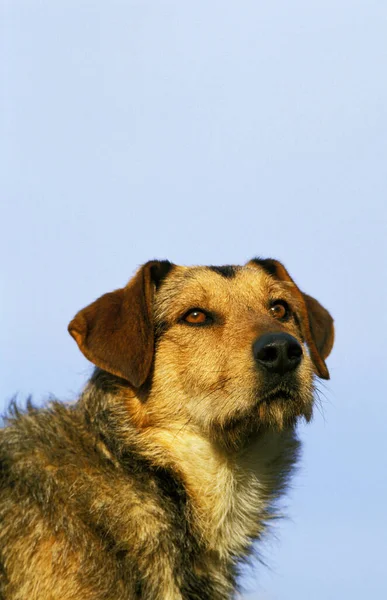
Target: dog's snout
x: 277, y: 352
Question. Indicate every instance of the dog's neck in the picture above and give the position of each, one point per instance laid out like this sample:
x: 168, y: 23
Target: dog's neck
x: 230, y: 494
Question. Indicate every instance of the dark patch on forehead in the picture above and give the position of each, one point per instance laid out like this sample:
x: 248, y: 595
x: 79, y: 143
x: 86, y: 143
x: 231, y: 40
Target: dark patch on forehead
x: 227, y: 271
x: 159, y: 271
x: 268, y: 264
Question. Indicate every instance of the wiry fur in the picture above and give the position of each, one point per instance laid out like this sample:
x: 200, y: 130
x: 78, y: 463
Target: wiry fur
x: 156, y: 488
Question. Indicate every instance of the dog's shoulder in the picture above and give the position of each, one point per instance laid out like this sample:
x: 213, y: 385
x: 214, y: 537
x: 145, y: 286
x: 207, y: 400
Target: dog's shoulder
x: 36, y: 444
x: 46, y: 435
x: 61, y: 459
x: 67, y: 491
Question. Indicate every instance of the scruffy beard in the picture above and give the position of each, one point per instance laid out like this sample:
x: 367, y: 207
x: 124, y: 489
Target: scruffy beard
x: 282, y: 406
x: 275, y: 409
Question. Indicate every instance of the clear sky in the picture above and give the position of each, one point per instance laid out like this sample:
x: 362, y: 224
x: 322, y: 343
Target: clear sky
x: 210, y: 132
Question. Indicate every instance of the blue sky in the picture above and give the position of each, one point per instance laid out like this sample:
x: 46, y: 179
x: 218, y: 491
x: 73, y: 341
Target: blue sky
x: 210, y: 132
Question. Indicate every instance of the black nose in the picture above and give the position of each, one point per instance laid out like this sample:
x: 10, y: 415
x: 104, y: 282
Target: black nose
x: 277, y: 352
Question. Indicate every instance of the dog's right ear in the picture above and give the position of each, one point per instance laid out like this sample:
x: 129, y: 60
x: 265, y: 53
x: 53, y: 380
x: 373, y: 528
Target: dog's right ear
x: 116, y: 331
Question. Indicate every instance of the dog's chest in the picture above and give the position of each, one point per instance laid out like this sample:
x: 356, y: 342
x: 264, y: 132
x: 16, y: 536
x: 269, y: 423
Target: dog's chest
x: 230, y: 497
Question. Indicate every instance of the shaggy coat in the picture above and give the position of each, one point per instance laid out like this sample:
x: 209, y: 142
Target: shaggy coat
x: 156, y: 483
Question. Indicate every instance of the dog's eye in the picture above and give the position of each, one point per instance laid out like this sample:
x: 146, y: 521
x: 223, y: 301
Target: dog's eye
x: 196, y: 316
x: 280, y: 310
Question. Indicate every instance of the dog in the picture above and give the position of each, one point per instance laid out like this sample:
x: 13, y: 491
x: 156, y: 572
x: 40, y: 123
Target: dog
x: 156, y: 483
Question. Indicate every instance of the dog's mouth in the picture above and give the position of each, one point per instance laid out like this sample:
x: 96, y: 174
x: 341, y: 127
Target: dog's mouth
x: 276, y: 406
x: 279, y: 393
x: 283, y: 403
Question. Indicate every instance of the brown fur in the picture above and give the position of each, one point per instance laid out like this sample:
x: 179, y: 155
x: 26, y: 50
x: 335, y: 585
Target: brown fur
x: 157, y: 481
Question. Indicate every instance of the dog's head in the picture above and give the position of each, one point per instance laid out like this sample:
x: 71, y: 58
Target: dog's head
x: 224, y: 348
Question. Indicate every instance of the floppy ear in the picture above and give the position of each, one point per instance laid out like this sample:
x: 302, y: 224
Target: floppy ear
x: 321, y: 326
x: 116, y: 331
x: 316, y: 322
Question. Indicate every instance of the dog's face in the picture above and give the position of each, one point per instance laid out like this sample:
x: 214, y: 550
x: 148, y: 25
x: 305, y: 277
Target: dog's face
x: 229, y: 350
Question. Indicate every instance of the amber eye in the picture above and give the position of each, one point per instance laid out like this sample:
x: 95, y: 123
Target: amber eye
x: 280, y: 310
x: 196, y: 317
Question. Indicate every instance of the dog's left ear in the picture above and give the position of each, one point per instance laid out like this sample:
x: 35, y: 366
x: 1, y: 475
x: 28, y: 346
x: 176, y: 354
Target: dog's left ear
x: 116, y: 332
x: 316, y: 322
